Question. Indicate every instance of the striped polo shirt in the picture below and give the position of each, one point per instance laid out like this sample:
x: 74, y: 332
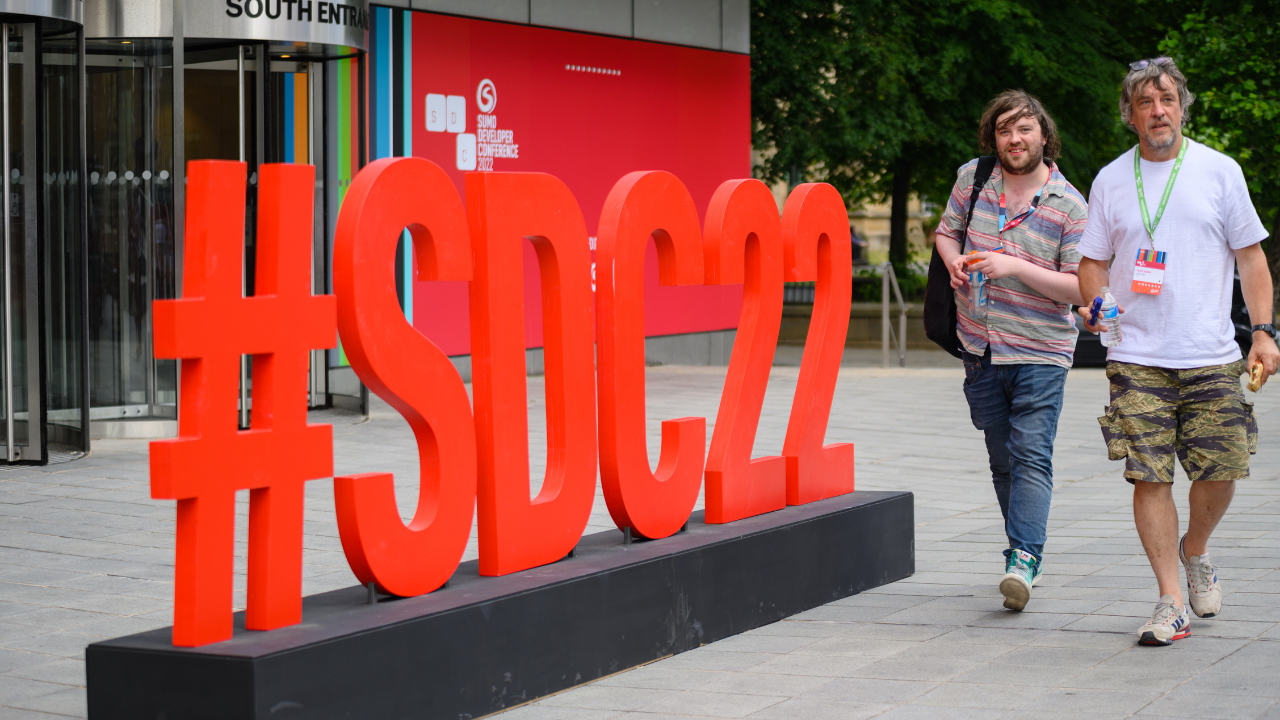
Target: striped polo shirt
x: 1022, y: 326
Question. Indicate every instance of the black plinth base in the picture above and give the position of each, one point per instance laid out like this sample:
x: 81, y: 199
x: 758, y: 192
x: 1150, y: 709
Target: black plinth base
x: 483, y: 644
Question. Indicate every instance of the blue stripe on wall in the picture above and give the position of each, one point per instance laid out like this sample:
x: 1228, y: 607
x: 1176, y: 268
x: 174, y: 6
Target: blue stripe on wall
x: 288, y: 118
x: 382, y: 114
x: 406, y: 86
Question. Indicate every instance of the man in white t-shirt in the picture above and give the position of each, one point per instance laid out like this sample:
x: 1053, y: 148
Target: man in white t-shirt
x: 1166, y: 230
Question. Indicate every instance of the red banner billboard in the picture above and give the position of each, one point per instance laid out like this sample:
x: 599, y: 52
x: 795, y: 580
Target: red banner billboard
x: 588, y: 109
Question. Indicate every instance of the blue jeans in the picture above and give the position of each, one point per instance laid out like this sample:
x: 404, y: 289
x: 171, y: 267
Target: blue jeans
x: 1017, y: 407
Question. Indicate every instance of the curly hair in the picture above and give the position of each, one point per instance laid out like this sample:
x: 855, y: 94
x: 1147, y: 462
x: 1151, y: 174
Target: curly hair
x: 1031, y: 108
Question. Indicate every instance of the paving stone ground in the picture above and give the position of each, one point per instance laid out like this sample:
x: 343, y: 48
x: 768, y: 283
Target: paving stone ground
x: 86, y: 554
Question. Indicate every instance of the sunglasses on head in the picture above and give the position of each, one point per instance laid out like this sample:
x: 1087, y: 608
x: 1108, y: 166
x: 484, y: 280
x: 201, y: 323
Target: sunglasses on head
x: 1140, y: 64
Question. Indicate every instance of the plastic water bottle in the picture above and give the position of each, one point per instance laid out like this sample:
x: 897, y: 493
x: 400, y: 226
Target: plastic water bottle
x: 978, y: 290
x: 978, y: 296
x: 1109, y: 314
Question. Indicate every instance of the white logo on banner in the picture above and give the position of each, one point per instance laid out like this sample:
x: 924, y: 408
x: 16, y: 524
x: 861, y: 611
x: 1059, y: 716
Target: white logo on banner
x: 466, y: 152
x: 486, y: 96
x: 456, y: 114
x: 473, y: 151
x: 446, y: 113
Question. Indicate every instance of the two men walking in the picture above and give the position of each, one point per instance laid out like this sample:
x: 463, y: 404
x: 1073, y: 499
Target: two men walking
x: 1164, y: 228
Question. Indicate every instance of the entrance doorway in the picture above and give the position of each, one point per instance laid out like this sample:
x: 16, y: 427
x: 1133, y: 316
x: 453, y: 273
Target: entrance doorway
x: 43, y: 383
x: 254, y: 102
x: 278, y: 108
x: 132, y: 229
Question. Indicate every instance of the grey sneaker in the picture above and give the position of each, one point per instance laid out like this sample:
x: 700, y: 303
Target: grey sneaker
x: 1202, y: 582
x: 1021, y: 572
x: 1167, y: 623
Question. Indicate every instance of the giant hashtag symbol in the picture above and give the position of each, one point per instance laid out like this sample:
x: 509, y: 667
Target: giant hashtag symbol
x: 209, y: 329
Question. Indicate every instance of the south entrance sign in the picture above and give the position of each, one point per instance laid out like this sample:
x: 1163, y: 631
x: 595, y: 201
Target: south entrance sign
x: 595, y: 392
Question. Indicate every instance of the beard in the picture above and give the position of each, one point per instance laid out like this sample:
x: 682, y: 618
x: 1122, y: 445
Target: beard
x: 1032, y: 157
x: 1161, y: 143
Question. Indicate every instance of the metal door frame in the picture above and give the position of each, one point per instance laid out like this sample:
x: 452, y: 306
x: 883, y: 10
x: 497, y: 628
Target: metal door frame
x: 244, y: 268
x: 319, y: 378
x: 34, y: 450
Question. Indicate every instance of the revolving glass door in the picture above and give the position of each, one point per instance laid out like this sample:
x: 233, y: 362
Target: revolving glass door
x: 132, y: 250
x: 43, y: 411
x: 276, y: 105
x: 252, y: 102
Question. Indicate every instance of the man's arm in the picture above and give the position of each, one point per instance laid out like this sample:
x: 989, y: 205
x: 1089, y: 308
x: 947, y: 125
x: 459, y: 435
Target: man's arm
x: 1057, y: 286
x: 1093, y: 276
x: 948, y: 237
x: 949, y: 251
x: 1255, y: 283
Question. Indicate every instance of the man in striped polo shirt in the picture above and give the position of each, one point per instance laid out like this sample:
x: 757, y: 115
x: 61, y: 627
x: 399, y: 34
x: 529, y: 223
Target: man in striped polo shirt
x: 1022, y: 236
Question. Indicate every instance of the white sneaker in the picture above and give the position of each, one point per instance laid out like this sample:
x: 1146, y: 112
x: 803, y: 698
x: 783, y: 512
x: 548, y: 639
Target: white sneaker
x: 1167, y: 623
x: 1021, y: 572
x: 1202, y: 582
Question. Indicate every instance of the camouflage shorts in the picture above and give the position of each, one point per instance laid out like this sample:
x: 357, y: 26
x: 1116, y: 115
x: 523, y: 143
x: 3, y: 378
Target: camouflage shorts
x: 1199, y: 413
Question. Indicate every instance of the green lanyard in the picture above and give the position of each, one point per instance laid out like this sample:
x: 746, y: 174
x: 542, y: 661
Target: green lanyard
x: 1168, y: 188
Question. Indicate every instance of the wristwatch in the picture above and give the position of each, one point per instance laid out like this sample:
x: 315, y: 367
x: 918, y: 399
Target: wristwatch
x: 1268, y: 329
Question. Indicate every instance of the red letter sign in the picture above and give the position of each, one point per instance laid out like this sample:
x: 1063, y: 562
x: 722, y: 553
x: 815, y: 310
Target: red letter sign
x: 408, y: 371
x: 504, y: 209
x: 815, y: 234
x: 209, y: 329
x: 462, y: 457
x: 744, y: 245
x: 640, y: 205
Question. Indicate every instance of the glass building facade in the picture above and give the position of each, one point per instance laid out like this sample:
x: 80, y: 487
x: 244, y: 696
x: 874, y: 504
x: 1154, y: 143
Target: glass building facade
x: 253, y: 88
x: 104, y: 104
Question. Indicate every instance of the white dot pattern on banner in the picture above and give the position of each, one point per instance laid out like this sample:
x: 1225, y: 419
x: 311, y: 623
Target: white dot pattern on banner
x: 592, y: 69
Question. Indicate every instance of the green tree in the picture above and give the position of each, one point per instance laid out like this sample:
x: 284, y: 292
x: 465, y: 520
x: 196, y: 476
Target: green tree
x: 796, y: 57
x: 882, y: 97
x: 1230, y: 53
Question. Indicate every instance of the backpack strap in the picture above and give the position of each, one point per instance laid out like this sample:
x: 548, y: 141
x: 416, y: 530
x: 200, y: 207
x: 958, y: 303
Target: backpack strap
x: 986, y: 164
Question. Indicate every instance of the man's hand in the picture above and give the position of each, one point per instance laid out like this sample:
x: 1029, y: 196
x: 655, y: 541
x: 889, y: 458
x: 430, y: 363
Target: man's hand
x: 1084, y: 311
x: 1264, y: 351
x: 996, y: 265
x: 1255, y: 283
x: 959, y: 275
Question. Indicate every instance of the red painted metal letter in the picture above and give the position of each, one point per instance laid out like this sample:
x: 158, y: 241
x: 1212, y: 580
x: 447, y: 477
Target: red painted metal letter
x: 815, y: 240
x: 744, y: 245
x: 503, y: 209
x: 653, y: 505
x: 408, y: 371
x: 209, y: 329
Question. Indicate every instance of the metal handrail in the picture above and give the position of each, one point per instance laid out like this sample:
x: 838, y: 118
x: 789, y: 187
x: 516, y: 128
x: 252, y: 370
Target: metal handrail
x: 887, y: 277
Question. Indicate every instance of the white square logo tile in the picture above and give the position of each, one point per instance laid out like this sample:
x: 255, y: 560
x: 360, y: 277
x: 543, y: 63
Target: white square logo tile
x: 466, y: 151
x: 435, y: 112
x: 456, y: 113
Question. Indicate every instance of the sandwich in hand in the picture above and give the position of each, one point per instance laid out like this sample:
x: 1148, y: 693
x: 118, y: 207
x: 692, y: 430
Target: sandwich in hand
x: 1256, y: 374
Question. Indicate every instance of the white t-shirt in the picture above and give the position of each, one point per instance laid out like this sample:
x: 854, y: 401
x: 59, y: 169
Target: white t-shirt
x: 1209, y: 216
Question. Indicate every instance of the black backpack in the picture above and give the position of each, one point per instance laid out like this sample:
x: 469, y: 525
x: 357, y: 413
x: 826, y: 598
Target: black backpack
x: 939, y: 297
